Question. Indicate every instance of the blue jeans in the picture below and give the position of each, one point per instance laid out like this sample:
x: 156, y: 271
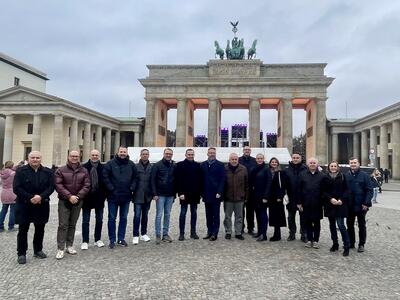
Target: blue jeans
x: 375, y: 195
x: 342, y: 229
x: 141, y: 213
x: 86, y: 222
x: 213, y: 217
x: 193, y: 218
x: 3, y: 214
x: 163, y: 206
x: 112, y: 216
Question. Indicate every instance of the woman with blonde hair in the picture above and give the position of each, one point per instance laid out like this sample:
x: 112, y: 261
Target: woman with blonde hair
x: 7, y: 196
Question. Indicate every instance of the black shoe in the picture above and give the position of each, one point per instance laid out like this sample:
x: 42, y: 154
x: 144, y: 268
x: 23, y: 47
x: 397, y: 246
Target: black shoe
x: 291, y: 237
x: 213, y: 238
x: 360, y: 249
x: 40, y: 254
x: 22, y: 259
x: 250, y: 232
x: 239, y: 237
x: 304, y: 239
x: 111, y: 245
x: 122, y: 243
x: 275, y: 238
x: 262, y: 238
x: 335, y: 247
x: 228, y: 236
x: 207, y: 237
x: 352, y: 246
x: 256, y: 235
x: 181, y: 237
x: 194, y: 236
x: 346, y: 252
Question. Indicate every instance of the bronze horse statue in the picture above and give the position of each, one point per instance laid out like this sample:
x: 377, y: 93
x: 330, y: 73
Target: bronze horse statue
x: 251, y: 53
x: 218, y: 50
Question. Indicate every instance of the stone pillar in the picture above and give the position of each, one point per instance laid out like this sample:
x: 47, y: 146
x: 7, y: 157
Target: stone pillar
x: 8, y: 138
x: 181, y: 126
x: 214, y: 114
x: 335, y: 146
x: 285, y: 130
x: 320, y: 130
x: 117, y: 141
x: 372, y: 144
x: 99, y: 139
x: 36, y: 133
x: 254, y: 123
x: 86, y: 142
x: 395, y: 141
x: 58, y: 139
x: 364, y: 148
x: 136, y: 139
x: 73, y: 137
x: 107, y: 151
x: 150, y: 123
x: 123, y: 139
x: 356, y: 146
x: 383, y: 147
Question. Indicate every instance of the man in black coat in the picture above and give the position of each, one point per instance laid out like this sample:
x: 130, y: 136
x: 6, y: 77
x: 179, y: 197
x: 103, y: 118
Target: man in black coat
x: 293, y: 172
x: 188, y: 176
x: 33, y: 185
x: 94, y: 200
x: 248, y: 209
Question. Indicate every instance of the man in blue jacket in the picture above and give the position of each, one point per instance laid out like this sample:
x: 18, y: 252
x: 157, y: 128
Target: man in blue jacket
x: 214, y: 182
x: 362, y: 192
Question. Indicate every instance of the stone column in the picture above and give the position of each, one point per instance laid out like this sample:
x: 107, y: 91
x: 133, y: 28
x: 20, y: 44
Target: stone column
x: 123, y: 138
x: 373, y: 143
x: 150, y: 130
x: 107, y: 151
x: 8, y: 138
x: 36, y: 133
x: 364, y: 148
x: 57, y: 139
x: 99, y: 139
x: 395, y: 141
x: 73, y: 137
x: 285, y: 130
x: 136, y: 139
x: 356, y: 146
x: 383, y: 148
x: 117, y: 141
x: 254, y: 123
x: 320, y: 131
x: 335, y: 146
x: 181, y: 126
x: 86, y: 142
x: 213, y: 124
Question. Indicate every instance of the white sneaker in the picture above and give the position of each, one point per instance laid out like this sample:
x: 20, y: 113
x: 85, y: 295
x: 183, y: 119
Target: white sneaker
x: 71, y: 250
x: 135, y: 240
x: 60, y: 254
x: 84, y: 246
x: 99, y: 243
x: 145, y: 238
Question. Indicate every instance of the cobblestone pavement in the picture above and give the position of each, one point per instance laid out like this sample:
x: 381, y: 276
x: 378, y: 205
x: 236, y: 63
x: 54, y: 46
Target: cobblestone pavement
x: 208, y: 270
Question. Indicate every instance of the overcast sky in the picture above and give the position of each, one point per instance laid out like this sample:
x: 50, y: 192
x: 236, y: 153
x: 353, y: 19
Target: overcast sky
x: 94, y: 52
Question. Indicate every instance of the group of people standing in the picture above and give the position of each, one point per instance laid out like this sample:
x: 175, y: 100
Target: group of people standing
x: 247, y: 187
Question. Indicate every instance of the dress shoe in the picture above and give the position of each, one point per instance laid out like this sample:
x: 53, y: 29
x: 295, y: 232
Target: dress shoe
x: 360, y: 249
x: 21, y: 259
x: 346, y: 252
x: 213, y: 238
x: 239, y: 237
x: 275, y: 238
x: 262, y: 238
x: 194, y: 236
x: 40, y: 254
x: 256, y: 235
x: 181, y: 237
x: 291, y: 238
x: 207, y: 237
x: 304, y: 239
x: 228, y: 236
x: 335, y: 247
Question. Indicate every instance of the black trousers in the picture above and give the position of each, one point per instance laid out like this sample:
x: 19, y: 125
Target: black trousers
x: 313, y: 230
x: 362, y: 229
x: 22, y: 238
x: 249, y: 212
x: 292, y: 222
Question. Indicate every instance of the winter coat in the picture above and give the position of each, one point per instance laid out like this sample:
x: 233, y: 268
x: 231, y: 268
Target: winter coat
x: 336, y: 188
x: 28, y: 183
x: 72, y: 182
x: 277, y: 217
x: 162, y: 178
x: 121, y: 179
x: 189, y: 181
x: 95, y: 199
x: 214, y: 180
x: 260, y: 185
x: 310, y: 194
x: 361, y: 190
x: 143, y: 190
x: 7, y: 177
x: 249, y: 162
x: 375, y: 181
x: 293, y: 172
x: 236, y: 184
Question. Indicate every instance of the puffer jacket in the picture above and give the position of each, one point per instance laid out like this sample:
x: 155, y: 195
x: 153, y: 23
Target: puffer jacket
x: 72, y: 181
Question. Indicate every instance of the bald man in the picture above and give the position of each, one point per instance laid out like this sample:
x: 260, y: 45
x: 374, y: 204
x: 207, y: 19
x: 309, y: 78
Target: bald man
x: 33, y: 185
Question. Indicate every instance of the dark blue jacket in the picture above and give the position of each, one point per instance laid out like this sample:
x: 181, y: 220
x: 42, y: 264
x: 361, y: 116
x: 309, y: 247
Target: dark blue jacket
x: 162, y: 178
x: 249, y: 162
x: 361, y: 190
x: 214, y: 180
x: 293, y: 174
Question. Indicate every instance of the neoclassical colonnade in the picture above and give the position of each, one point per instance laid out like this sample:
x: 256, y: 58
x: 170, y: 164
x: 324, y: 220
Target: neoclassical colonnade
x: 245, y: 84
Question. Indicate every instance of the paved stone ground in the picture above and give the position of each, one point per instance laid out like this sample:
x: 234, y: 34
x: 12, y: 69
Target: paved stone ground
x: 212, y: 270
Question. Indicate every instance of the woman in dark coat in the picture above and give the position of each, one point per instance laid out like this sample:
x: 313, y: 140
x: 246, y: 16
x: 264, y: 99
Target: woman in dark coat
x: 259, y: 186
x: 337, y: 195
x: 277, y: 218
